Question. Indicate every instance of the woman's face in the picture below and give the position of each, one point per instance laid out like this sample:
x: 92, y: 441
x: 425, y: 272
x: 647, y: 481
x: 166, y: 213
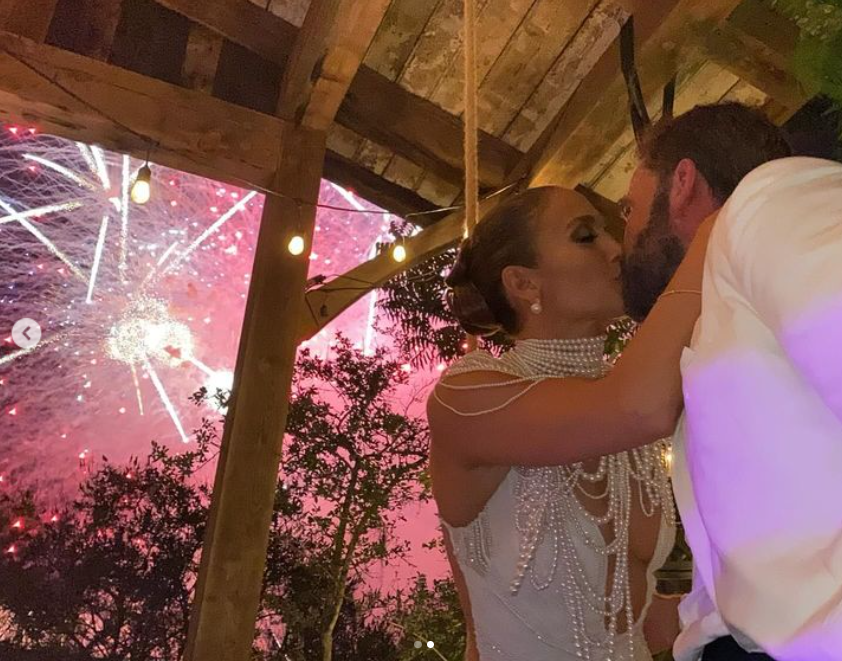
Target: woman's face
x: 578, y: 269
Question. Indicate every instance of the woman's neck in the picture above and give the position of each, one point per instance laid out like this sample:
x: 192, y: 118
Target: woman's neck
x: 538, y: 329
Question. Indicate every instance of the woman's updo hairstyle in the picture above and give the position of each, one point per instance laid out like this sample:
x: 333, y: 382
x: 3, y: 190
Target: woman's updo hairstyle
x: 505, y: 237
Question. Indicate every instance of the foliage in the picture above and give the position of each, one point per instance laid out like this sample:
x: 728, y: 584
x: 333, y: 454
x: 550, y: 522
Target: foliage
x: 415, y: 302
x: 818, y: 57
x: 112, y: 576
x: 86, y: 582
x: 357, y: 459
x: 430, y: 615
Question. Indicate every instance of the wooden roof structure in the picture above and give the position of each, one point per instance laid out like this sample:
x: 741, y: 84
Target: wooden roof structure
x: 274, y: 94
x: 396, y: 139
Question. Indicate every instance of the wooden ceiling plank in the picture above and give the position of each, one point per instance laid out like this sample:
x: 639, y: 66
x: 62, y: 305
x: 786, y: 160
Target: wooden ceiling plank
x: 398, y: 35
x: 756, y: 63
x: 495, y: 27
x: 243, y: 23
x: 590, y: 119
x: 579, y: 56
x: 527, y: 58
x: 204, y: 48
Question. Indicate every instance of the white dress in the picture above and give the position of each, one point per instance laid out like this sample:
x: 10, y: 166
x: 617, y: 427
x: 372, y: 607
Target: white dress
x: 535, y: 561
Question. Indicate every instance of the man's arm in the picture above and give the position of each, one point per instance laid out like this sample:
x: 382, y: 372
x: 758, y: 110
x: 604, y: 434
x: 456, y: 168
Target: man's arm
x: 777, y: 250
x: 783, y: 235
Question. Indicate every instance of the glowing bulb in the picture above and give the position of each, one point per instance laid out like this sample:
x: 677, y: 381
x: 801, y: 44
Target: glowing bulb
x: 430, y: 644
x: 296, y: 245
x: 142, y: 187
x: 399, y: 253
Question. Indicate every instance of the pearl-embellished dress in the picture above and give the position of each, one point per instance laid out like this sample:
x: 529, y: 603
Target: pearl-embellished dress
x: 535, y: 560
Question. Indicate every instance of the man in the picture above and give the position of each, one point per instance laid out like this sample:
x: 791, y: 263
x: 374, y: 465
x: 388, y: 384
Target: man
x: 760, y: 453
x: 689, y: 167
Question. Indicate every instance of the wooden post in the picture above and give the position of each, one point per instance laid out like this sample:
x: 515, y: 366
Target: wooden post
x: 327, y: 54
x: 234, y: 553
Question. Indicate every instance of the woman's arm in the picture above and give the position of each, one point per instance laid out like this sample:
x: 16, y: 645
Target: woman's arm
x: 566, y: 420
x: 662, y: 624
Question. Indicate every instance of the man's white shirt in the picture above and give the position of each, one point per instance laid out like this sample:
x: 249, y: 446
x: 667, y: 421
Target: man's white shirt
x: 758, y: 455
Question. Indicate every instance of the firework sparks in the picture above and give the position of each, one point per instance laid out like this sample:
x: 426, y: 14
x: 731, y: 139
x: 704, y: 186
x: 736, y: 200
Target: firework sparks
x: 139, y: 305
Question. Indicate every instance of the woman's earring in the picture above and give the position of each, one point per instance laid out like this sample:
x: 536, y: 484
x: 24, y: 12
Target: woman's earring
x: 536, y: 307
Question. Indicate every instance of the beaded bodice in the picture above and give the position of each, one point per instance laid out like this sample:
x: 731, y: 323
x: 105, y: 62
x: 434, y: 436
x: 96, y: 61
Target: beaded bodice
x: 536, y: 559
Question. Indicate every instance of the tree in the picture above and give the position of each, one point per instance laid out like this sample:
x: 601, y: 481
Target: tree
x: 112, y: 575
x: 84, y: 581
x: 426, y: 615
x: 357, y: 459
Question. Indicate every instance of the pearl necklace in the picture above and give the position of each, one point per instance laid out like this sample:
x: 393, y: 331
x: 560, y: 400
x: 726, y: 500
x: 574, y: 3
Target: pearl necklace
x: 549, y: 509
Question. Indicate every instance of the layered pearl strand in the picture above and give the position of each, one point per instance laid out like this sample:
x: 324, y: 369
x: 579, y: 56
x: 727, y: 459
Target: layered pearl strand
x: 549, y: 500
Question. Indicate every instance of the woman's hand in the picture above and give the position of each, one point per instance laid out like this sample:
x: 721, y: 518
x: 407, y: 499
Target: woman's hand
x: 662, y: 624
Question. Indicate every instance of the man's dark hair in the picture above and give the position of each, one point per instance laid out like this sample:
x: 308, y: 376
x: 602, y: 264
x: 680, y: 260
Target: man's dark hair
x: 726, y: 141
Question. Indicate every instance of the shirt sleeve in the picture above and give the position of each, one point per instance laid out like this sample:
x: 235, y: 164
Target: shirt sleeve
x: 782, y: 234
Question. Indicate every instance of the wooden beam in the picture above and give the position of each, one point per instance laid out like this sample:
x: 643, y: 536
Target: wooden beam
x: 596, y: 114
x: 386, y: 195
x: 326, y: 303
x: 374, y: 107
x: 328, y: 52
x: 27, y: 18
x: 420, y: 131
x: 242, y: 22
x: 222, y: 623
x: 81, y: 99
x: 201, y: 60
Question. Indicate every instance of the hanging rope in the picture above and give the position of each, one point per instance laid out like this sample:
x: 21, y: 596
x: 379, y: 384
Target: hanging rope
x: 471, y: 128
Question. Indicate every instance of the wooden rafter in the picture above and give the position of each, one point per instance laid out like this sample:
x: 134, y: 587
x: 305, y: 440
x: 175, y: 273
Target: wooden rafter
x: 595, y: 115
x: 386, y: 195
x: 327, y: 54
x: 191, y: 131
x: 82, y: 99
x: 420, y: 131
x: 327, y: 302
x: 374, y: 107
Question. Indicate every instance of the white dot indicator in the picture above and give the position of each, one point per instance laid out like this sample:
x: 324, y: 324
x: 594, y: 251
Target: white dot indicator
x: 430, y: 644
x: 418, y: 644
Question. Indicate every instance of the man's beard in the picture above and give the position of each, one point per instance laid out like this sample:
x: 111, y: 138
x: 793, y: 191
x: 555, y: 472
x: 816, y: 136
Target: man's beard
x: 653, y: 260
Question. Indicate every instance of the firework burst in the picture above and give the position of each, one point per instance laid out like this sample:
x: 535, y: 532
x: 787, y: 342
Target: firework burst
x: 139, y: 305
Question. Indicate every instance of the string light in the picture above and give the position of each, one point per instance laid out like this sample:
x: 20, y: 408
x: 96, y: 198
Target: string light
x: 250, y: 184
x: 399, y: 253
x: 296, y: 245
x: 142, y: 187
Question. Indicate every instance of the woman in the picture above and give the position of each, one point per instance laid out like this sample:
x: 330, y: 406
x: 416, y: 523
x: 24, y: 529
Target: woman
x: 554, y: 522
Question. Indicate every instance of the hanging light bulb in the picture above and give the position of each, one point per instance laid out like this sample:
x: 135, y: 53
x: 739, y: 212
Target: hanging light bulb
x: 142, y: 186
x: 296, y: 245
x: 399, y: 252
